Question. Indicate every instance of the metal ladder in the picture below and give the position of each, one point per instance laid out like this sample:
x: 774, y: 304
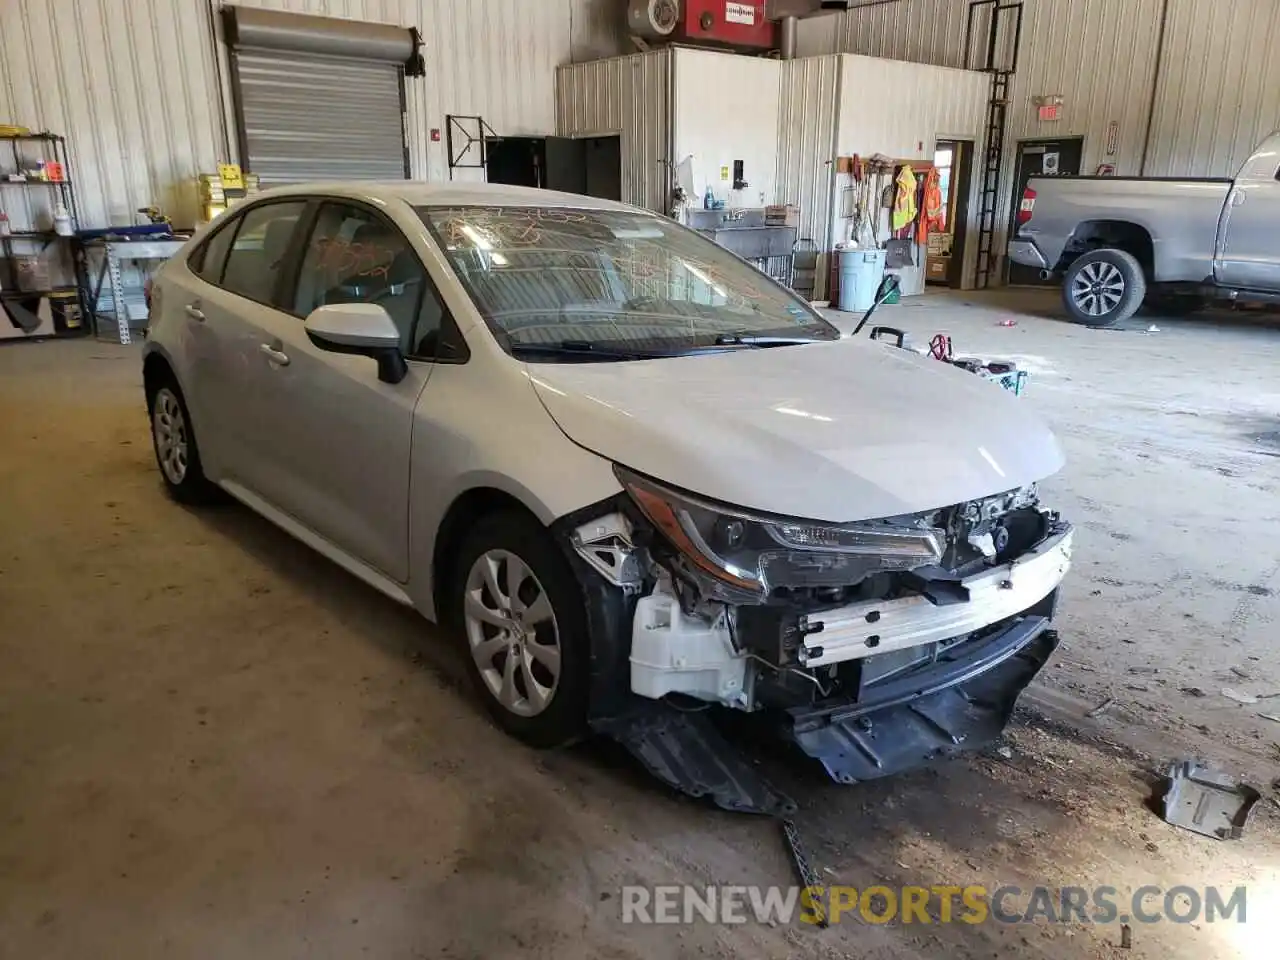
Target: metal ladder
x: 998, y: 56
x: 989, y: 199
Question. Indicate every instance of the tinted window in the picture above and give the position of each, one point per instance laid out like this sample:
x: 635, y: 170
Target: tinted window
x: 354, y: 256
x: 261, y: 245
x: 618, y: 278
x: 211, y: 258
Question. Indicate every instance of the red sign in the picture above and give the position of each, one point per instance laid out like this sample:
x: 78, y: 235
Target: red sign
x: 1050, y: 112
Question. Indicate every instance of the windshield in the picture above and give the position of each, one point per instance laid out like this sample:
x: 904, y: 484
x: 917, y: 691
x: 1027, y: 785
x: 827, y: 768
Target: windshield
x: 612, y: 284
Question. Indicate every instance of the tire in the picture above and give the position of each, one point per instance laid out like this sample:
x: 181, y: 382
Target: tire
x: 527, y: 649
x: 1103, y: 287
x: 174, y: 442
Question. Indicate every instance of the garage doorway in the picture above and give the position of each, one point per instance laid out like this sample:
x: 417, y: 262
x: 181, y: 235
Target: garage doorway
x: 953, y: 159
x: 1039, y: 158
x: 591, y: 166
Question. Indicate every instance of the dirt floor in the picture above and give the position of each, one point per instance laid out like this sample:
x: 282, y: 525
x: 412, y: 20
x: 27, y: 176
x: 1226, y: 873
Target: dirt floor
x: 214, y: 743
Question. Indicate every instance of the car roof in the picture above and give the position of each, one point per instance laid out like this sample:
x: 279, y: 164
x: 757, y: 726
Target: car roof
x: 421, y: 193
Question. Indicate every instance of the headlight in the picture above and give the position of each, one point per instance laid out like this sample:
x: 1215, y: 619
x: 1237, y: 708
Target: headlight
x: 754, y: 553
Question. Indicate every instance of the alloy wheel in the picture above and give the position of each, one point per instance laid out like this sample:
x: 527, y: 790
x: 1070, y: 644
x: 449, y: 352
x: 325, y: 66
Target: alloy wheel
x: 512, y: 632
x: 170, y: 429
x: 1098, y: 288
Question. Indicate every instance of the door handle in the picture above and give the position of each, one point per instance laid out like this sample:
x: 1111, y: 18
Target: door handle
x: 194, y: 311
x: 278, y: 357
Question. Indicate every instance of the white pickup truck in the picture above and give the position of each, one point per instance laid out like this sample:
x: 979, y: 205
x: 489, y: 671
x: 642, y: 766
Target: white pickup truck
x: 1117, y: 241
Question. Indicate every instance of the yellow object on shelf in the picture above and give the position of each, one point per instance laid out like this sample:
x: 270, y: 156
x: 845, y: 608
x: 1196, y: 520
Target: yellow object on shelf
x: 216, y: 194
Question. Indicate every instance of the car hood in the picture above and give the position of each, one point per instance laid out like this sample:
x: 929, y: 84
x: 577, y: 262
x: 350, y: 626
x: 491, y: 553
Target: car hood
x: 836, y: 431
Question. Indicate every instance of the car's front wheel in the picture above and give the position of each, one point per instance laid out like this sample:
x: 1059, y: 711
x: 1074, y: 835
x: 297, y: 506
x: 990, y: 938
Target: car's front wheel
x: 522, y: 614
x: 1103, y: 287
x: 174, y: 441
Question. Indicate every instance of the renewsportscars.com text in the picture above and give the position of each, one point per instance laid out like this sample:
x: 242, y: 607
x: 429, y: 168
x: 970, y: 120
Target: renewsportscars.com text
x: 938, y: 904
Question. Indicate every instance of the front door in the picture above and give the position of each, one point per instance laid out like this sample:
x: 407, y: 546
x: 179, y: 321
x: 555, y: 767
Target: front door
x: 1040, y: 158
x: 336, y: 439
x: 1249, y: 249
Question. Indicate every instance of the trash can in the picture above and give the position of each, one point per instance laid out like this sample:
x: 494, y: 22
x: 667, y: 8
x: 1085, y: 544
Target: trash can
x: 860, y: 274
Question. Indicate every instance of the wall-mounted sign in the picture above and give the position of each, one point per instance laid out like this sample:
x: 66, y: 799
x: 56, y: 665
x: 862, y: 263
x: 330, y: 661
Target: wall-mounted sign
x: 232, y: 178
x: 1050, y: 168
x: 724, y: 173
x: 743, y: 13
x: 1049, y: 106
x: 1113, y: 137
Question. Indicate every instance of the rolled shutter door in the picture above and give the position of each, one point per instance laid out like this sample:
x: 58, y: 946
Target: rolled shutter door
x: 318, y: 98
x: 305, y: 117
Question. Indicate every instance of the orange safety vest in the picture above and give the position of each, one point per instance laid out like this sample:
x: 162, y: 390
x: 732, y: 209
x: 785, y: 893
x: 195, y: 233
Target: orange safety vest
x: 935, y: 215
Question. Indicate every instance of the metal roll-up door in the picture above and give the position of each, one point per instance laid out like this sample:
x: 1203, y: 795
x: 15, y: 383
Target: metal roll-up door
x: 319, y: 98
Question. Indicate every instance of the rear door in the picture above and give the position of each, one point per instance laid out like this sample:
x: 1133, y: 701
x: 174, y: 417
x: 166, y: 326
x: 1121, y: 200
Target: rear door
x: 335, y: 440
x: 219, y: 296
x: 237, y: 304
x: 1249, y: 237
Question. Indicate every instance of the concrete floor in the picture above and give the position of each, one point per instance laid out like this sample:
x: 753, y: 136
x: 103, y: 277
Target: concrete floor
x: 213, y: 743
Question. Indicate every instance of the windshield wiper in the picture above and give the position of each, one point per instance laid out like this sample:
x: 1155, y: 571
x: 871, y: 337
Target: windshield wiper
x: 752, y: 340
x: 586, y: 350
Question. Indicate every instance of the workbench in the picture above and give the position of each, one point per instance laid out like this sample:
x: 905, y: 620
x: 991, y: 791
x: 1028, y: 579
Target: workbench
x: 102, y: 258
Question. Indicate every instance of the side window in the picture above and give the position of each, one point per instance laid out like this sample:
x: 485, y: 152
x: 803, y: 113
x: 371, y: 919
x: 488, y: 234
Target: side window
x: 354, y: 256
x: 212, y: 257
x: 260, y: 247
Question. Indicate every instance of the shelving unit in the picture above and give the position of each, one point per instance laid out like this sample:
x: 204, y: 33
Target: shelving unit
x: 35, y: 308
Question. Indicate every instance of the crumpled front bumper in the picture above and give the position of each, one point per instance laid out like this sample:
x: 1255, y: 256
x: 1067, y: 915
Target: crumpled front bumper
x: 961, y: 701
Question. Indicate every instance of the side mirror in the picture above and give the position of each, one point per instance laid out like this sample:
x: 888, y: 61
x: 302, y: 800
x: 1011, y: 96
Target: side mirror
x: 359, y: 328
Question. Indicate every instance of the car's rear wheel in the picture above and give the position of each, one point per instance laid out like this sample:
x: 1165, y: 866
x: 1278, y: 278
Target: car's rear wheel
x: 174, y: 441
x: 522, y: 614
x: 1103, y: 287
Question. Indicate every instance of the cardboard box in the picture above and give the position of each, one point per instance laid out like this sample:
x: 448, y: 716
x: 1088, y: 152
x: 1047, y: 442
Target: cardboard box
x: 937, y: 268
x: 782, y: 215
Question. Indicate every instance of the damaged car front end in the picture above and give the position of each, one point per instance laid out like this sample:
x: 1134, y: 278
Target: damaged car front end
x: 874, y: 647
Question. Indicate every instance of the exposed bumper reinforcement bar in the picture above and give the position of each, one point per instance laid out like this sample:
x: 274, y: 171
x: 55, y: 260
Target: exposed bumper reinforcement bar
x: 959, y: 704
x: 883, y: 626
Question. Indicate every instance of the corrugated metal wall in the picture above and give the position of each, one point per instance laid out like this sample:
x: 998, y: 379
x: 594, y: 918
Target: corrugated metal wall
x: 130, y: 85
x: 1219, y: 86
x: 901, y: 110
x: 1218, y: 91
x: 810, y: 92
x: 134, y: 83
x: 627, y: 96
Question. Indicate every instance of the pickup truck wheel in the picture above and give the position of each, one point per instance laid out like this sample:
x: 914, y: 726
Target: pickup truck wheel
x: 524, y: 619
x: 1103, y: 287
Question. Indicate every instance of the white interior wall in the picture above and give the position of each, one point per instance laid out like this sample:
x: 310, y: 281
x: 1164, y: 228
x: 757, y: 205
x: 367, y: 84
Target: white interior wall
x: 901, y: 110
x: 726, y: 109
x: 133, y: 84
